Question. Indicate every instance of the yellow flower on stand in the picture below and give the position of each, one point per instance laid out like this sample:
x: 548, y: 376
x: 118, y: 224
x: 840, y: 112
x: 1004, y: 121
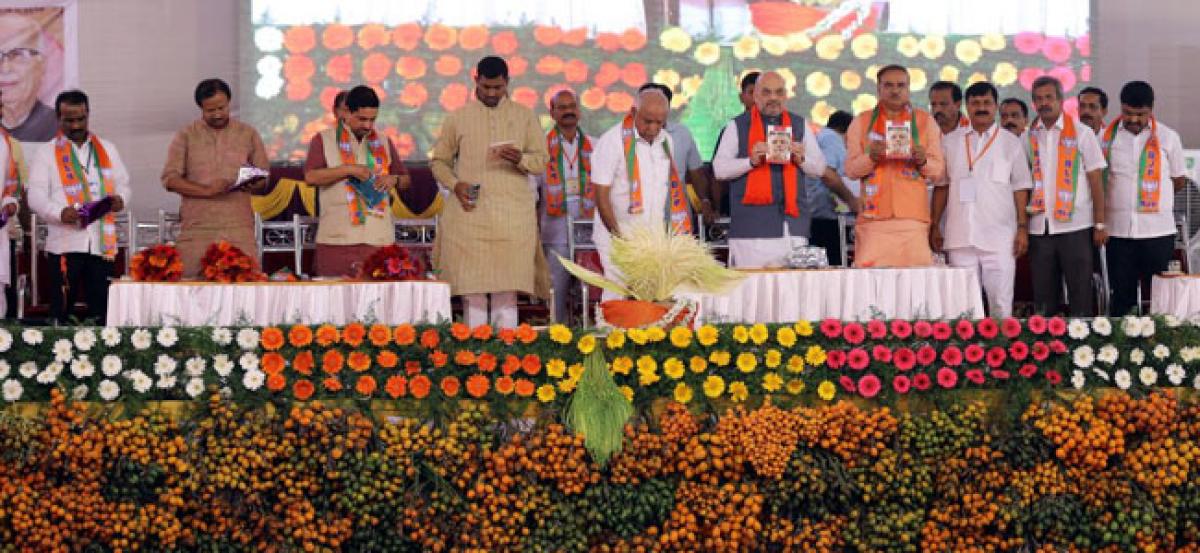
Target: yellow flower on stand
x: 707, y: 335
x: 933, y: 46
x: 560, y: 334
x: 815, y: 356
x: 627, y: 392
x: 683, y: 393
x: 864, y: 46
x: 567, y: 386
x: 772, y: 382
x: 775, y: 45
x: 587, y: 344
x: 850, y: 80
x: 675, y: 39
x: 745, y: 48
x: 674, y: 368
x: 916, y: 79
x: 720, y: 358
x: 829, y: 47
x: 799, y: 42
x: 992, y: 41
x: 1004, y: 74
x: 968, y: 51
x: 863, y: 102
x: 656, y: 334
x: 669, y: 77
x: 646, y: 363
x: 622, y: 365
x: 818, y: 84
x: 789, y: 79
x: 698, y: 364
x: 740, y: 334
x: 785, y: 336
x: 759, y: 333
x: 821, y: 111
x: 975, y: 78
x: 691, y: 85
x: 575, y: 371
x: 545, y: 393
x: 615, y: 339
x: 681, y: 337
x: 648, y: 377
x: 707, y: 53
x: 773, y: 358
x: 826, y: 390
x: 795, y: 386
x: 556, y: 368
x: 714, y: 386
x: 637, y: 336
x: 908, y: 45
x: 747, y: 362
x: 795, y: 364
x: 738, y: 392
x: 803, y: 328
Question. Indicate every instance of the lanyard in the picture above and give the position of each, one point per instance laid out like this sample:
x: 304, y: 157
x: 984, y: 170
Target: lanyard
x: 967, y: 142
x: 85, y: 182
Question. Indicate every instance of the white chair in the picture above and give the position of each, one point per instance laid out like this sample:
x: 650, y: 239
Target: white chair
x: 285, y: 237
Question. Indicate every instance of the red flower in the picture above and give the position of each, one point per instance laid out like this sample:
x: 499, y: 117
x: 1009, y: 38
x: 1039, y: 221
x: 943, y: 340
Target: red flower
x: 447, y: 65
x: 964, y: 329
x: 1056, y: 49
x: 1057, y: 326
x: 926, y: 355
x: 831, y: 328
x: 975, y: 376
x: 952, y: 356
x: 869, y: 386
x: 1027, y: 370
x: 941, y: 330
x: 1010, y: 327
x: 988, y: 328
x: 854, y: 333
x: 376, y: 67
x: 1037, y: 324
x: 1000, y: 374
x: 923, y: 329
x: 1018, y: 351
x: 303, y: 389
x: 901, y: 329
x: 487, y: 362
x: 1040, y: 351
x: 835, y: 359
x: 477, y: 385
x: 946, y: 377
x: 412, y: 367
x: 921, y: 381
x: 905, y: 359
x: 995, y: 356
x: 1028, y: 43
x: 847, y: 384
x: 882, y: 353
x: 440, y: 37
x: 1027, y: 75
x: 1057, y: 346
x: 973, y: 353
x: 858, y: 359
x: 876, y: 329
x: 1053, y: 377
x: 901, y: 383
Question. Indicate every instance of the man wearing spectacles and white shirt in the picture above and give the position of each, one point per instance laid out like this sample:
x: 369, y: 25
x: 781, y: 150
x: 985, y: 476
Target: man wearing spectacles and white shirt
x: 984, y: 198
x: 22, y: 67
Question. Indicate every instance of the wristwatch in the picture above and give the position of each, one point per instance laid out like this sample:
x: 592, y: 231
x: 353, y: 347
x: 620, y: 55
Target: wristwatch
x: 1100, y: 226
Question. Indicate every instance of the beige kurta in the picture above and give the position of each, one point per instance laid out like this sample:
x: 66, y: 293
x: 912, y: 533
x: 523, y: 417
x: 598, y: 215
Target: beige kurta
x: 493, y: 248
x: 335, y: 226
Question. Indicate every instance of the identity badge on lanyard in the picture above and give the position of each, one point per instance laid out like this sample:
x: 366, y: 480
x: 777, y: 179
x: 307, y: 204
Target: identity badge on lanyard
x: 968, y: 189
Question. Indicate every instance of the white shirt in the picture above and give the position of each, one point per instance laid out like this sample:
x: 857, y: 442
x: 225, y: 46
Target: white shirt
x: 5, y: 154
x: 554, y: 229
x: 728, y: 166
x: 608, y: 169
x: 47, y: 199
x: 1124, y: 221
x: 1093, y: 159
x: 989, y: 220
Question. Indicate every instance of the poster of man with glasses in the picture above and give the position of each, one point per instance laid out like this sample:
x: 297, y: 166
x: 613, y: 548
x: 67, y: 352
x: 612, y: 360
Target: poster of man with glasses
x: 33, y: 66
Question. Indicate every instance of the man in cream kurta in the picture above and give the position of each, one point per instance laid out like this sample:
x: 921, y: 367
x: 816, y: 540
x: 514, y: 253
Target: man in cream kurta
x: 487, y: 243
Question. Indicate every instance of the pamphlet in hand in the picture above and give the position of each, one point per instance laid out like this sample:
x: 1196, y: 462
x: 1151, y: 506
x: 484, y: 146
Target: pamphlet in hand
x: 899, y: 140
x: 494, y: 148
x: 779, y: 144
x: 247, y: 175
x: 367, y: 191
x: 93, y: 211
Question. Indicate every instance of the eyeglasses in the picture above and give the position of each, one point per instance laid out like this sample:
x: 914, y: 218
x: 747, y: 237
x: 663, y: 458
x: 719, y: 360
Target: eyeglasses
x: 19, y: 56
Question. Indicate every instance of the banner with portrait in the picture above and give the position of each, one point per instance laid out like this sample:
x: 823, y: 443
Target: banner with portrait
x: 38, y: 59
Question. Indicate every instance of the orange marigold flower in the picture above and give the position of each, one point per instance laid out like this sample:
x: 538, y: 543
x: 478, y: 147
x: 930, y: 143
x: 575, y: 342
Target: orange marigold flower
x: 439, y: 358
x: 517, y: 66
x: 353, y: 334
x: 460, y: 331
x: 332, y: 384
x: 634, y: 73
x: 526, y: 334
x: 547, y: 35
x: 340, y: 68
x: 303, y: 362
x: 524, y: 387
x: 358, y: 361
x: 609, y: 42
x: 337, y: 36
x: 477, y: 385
x: 379, y: 335
x: 487, y: 362
x: 387, y: 359
x: 404, y: 335
x: 575, y: 37
x: 512, y: 364
x: 299, y: 40
x: 633, y: 39
x: 450, y: 386
x: 608, y: 73
x: 464, y: 357
x: 410, y: 67
x: 505, y: 43
x: 413, y: 95
x: 276, y: 382
x: 531, y: 364
x: 273, y: 363
x: 328, y: 335
x: 447, y: 65
x: 296, y: 91
x: 298, y: 68
x: 619, y: 102
x: 454, y: 96
x: 407, y: 36
x: 576, y: 71
x: 303, y: 389
x: 440, y: 37
x: 525, y: 96
x: 504, y: 385
x: 473, y: 37
x: 365, y: 385
x: 396, y: 386
x: 376, y: 67
x: 430, y: 339
x: 412, y: 367
x: 372, y: 35
x: 482, y: 332
x: 332, y: 361
x: 593, y: 98
x: 271, y: 338
x: 300, y: 336
x: 549, y: 65
x: 419, y: 386
x: 507, y: 335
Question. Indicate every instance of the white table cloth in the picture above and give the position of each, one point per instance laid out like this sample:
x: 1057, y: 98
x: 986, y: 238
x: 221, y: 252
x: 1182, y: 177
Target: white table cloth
x: 275, y: 303
x: 1176, y: 295
x: 784, y: 296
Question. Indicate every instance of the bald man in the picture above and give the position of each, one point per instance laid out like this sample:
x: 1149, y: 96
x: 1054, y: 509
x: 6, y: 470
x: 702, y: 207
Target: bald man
x: 654, y: 195
x: 769, y: 212
x: 22, y: 66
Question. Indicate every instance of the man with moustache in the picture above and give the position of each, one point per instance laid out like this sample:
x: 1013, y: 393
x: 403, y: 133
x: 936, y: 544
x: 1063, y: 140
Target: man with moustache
x: 22, y: 67
x: 487, y: 241
x: 1142, y: 153
x: 1093, y: 108
x: 769, y: 212
x: 565, y: 188
x: 1014, y: 116
x: 945, y: 103
x: 1066, y: 205
x: 983, y: 198
x: 893, y: 219
x: 202, y: 164
x: 77, y: 168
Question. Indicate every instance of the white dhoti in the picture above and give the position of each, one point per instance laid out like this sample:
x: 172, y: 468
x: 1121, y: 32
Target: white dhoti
x: 997, y: 271
x: 763, y: 253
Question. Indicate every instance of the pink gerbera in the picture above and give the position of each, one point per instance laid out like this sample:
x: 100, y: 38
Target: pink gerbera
x: 847, y: 383
x: 869, y: 385
x: 882, y: 353
x: 1040, y: 351
x: 835, y: 359
x: 901, y: 383
x: 858, y: 359
x: 964, y: 329
x: 988, y: 328
x: 923, y: 329
x: 905, y: 359
x: 854, y: 333
x: 926, y: 355
x: 1018, y: 351
x: 996, y: 356
x: 952, y: 356
x: 1057, y: 326
x: 1010, y: 327
x: 973, y: 353
x: 946, y: 377
x: 921, y: 381
x: 901, y: 329
x: 1027, y: 370
x: 831, y: 328
x: 975, y: 376
x: 876, y: 329
x: 1037, y: 324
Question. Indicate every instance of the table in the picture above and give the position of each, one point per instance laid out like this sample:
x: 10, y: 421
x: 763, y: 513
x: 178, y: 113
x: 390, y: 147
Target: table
x: 784, y: 296
x: 273, y: 303
x: 1176, y: 295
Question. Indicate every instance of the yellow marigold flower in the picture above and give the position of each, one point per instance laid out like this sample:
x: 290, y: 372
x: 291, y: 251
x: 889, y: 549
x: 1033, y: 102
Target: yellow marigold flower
x: 545, y: 393
x: 759, y: 333
x: 789, y: 79
x: 587, y: 344
x: 775, y: 45
x: 872, y: 72
x: 567, y: 385
x: 622, y: 365
x: 747, y: 362
x: 556, y: 368
x: 992, y: 41
x: 669, y: 77
x: 815, y: 356
x: 818, y: 83
x: 674, y: 368
x: 615, y: 339
x: 745, y: 48
x: 821, y: 111
x: 575, y: 371
x: 976, y: 77
x: 707, y: 335
x: 773, y: 358
x: 803, y: 328
x: 826, y: 390
x: 740, y: 334
x: 948, y: 73
x: 772, y: 382
x: 968, y: 51
x: 681, y: 337
x: 647, y: 378
x: 656, y: 334
x: 707, y: 53
x: 560, y: 334
x: 1004, y: 74
x: 714, y: 386
x: 795, y: 364
x: 691, y: 85
x: 627, y: 392
x: 916, y: 78
x: 638, y: 336
x: 829, y: 47
x: 799, y: 42
x: 675, y: 39
x: 864, y: 46
x: 738, y: 391
x: 908, y: 46
x: 795, y: 386
x: 683, y: 393
x: 646, y: 363
x: 698, y: 364
x: 785, y: 336
x: 850, y: 80
x: 719, y: 358
x: 933, y: 46
x: 863, y: 102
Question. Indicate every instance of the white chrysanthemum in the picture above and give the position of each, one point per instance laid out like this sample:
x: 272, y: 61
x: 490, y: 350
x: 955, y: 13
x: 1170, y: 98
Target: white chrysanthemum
x: 1122, y: 379
x: 32, y: 336
x: 1084, y: 357
x: 1175, y: 373
x: 222, y: 365
x: 1078, y: 329
x: 1077, y: 379
x: 110, y: 336
x: 165, y: 365
x: 1172, y: 321
x: 268, y: 39
x: 1102, y: 326
x: 269, y: 66
x: 1148, y: 376
x: 195, y: 366
x: 222, y: 336
x: 1161, y: 351
x: 28, y: 369
x: 80, y: 392
x: 226, y: 392
x: 1131, y: 326
x: 247, y: 338
x: 1147, y: 327
x: 139, y: 380
x: 141, y: 339
x: 1101, y: 373
x: 63, y: 350
x: 1196, y: 381
x: 166, y: 382
x: 248, y: 362
x: 1137, y: 356
x: 194, y: 387
x: 13, y: 390
x: 1108, y: 354
x: 4, y: 369
x: 6, y: 340
x: 50, y: 373
x: 110, y: 365
x: 268, y: 86
x: 168, y: 336
x: 82, y: 367
x: 108, y: 390
x: 1189, y: 354
x: 84, y: 339
x: 254, y: 379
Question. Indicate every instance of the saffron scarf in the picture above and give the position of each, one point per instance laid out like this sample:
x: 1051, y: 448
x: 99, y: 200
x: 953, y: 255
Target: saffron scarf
x: 377, y: 162
x: 555, y: 170
x: 1066, y: 173
x: 74, y: 176
x: 12, y: 176
x: 871, y: 185
x: 1149, y: 166
x: 681, y: 220
x: 758, y: 182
